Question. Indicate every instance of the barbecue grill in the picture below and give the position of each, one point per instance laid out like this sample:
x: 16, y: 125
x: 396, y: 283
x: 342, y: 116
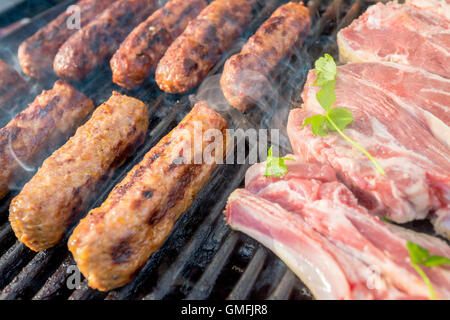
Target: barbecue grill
x: 202, y: 258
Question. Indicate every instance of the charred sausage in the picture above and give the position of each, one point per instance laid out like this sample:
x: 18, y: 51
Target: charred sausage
x: 11, y: 85
x: 50, y: 119
x: 66, y: 182
x: 195, y: 52
x: 116, y: 239
x: 246, y: 75
x: 36, y: 54
x: 91, y: 46
x: 146, y: 44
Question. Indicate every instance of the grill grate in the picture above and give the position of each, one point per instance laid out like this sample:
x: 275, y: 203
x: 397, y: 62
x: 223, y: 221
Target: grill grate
x: 202, y: 258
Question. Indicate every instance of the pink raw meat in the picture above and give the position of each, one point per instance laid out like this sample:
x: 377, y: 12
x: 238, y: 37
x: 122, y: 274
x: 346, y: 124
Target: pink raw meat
x: 398, y: 33
x: 423, y: 94
x: 334, y: 245
x: 440, y: 7
x: 417, y: 164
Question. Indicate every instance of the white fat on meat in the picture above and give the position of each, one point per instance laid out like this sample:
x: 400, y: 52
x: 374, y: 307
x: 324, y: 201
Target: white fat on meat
x: 388, y: 122
x: 417, y: 37
x: 440, y: 7
x: 332, y: 243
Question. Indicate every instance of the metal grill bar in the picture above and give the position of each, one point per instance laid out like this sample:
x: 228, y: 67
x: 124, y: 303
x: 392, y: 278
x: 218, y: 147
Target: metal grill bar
x: 56, y: 282
x: 86, y: 293
x: 248, y: 278
x: 12, y: 261
x: 285, y: 287
x: 204, y: 286
x: 352, y: 13
x: 269, y: 277
x: 6, y: 236
x: 37, y: 266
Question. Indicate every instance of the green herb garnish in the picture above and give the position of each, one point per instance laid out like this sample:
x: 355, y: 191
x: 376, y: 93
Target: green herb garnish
x: 335, y: 119
x: 421, y: 256
x: 275, y: 166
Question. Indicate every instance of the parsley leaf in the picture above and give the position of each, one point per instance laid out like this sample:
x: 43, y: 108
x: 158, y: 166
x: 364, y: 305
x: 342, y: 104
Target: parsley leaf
x: 385, y: 219
x: 326, y: 96
x: 341, y: 117
x: 334, y: 119
x: 317, y: 124
x: 326, y: 70
x: 422, y: 256
x: 417, y: 253
x: 433, y: 261
x: 275, y: 166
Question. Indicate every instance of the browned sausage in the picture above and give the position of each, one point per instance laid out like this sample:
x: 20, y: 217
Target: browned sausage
x: 50, y: 119
x: 67, y: 180
x: 246, y: 75
x: 36, y: 54
x: 195, y: 52
x: 116, y: 239
x: 11, y: 85
x: 146, y: 44
x: 95, y: 43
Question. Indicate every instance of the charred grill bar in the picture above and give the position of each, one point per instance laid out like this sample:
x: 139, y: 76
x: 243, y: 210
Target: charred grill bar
x: 202, y: 258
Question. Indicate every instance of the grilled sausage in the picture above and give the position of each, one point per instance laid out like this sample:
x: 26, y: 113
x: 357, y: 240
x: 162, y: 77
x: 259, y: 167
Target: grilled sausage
x: 66, y: 182
x: 91, y: 46
x: 50, y: 119
x: 246, y: 75
x: 116, y: 239
x: 195, y: 52
x: 11, y: 85
x: 146, y: 44
x: 36, y: 54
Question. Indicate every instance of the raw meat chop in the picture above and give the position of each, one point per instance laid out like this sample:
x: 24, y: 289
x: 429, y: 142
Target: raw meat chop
x: 417, y: 179
x: 314, y: 223
x: 401, y: 34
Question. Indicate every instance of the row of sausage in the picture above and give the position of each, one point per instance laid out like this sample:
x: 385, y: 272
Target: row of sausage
x: 179, y: 43
x: 115, y: 239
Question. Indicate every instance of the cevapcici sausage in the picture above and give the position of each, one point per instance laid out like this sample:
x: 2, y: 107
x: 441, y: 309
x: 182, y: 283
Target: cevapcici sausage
x: 50, y: 119
x: 36, y: 54
x: 116, y: 239
x: 66, y: 182
x: 146, y: 44
x: 91, y: 46
x: 11, y: 84
x: 195, y: 52
x: 246, y: 75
